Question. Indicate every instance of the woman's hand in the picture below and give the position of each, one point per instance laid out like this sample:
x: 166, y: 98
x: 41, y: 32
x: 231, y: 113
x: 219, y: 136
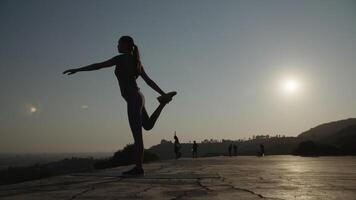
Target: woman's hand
x: 70, y: 71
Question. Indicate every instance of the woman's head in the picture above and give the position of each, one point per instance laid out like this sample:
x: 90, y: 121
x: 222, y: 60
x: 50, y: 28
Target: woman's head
x: 126, y: 44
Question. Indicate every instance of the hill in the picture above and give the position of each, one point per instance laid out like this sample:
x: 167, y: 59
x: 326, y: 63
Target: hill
x: 333, y: 138
x: 324, y: 132
x: 345, y: 139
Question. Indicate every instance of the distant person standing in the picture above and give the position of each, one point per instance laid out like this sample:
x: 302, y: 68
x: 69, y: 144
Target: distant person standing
x: 230, y: 149
x: 177, y: 147
x: 195, y: 150
x: 235, y: 149
x: 262, y: 150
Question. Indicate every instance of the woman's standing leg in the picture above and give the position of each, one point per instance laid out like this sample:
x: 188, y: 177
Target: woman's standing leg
x: 134, y: 109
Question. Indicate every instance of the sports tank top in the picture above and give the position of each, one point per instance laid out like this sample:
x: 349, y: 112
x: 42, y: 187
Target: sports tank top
x: 126, y: 73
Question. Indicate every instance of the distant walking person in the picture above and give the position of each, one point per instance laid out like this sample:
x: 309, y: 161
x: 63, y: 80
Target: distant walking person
x: 235, y: 149
x: 128, y: 68
x: 177, y: 147
x: 230, y: 149
x: 195, y: 150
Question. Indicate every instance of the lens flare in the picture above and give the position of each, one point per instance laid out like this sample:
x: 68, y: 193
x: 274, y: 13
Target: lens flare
x: 33, y: 109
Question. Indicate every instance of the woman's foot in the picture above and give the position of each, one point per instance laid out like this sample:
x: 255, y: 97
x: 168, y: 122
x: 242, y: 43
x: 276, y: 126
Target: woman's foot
x: 136, y: 171
x: 166, y: 98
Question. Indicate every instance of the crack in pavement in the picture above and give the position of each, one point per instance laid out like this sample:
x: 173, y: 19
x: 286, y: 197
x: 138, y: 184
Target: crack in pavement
x: 242, y: 189
x: 142, y: 191
x: 45, y: 185
x: 92, y: 187
x: 185, y: 193
x: 198, y: 182
x: 247, y: 190
x: 229, y: 184
x: 82, y: 192
x: 203, y: 186
x: 50, y: 187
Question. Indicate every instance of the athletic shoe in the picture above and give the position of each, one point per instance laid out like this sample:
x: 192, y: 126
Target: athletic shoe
x: 136, y: 171
x: 166, y: 98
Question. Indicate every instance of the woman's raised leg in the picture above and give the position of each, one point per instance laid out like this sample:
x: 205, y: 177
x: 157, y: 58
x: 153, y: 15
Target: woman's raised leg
x: 148, y: 122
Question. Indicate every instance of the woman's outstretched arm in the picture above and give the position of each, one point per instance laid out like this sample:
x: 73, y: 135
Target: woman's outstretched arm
x: 151, y: 83
x: 96, y: 66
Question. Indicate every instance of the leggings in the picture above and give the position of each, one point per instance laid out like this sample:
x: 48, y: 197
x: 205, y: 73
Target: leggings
x: 138, y: 119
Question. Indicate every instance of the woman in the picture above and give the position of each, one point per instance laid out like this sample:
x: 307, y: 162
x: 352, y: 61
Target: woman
x: 128, y: 69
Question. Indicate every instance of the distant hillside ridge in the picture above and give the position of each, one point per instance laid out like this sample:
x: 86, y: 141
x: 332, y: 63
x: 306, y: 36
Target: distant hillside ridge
x: 323, y: 132
x: 345, y: 140
x: 332, y: 138
x: 273, y: 146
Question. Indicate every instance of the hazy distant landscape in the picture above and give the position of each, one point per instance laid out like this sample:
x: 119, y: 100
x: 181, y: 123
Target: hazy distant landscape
x: 339, y: 134
x: 330, y: 139
x: 20, y: 160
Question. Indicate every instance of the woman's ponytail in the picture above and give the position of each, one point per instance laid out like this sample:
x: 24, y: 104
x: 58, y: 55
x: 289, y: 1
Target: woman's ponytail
x: 134, y: 50
x: 136, y: 55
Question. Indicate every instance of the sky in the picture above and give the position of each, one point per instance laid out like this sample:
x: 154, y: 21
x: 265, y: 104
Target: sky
x: 240, y: 68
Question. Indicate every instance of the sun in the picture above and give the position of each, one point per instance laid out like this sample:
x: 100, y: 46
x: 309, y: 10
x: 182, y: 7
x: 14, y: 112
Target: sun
x: 290, y: 86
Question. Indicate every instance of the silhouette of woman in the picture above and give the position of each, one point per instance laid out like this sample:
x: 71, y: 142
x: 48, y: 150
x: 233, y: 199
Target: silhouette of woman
x: 128, y: 69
